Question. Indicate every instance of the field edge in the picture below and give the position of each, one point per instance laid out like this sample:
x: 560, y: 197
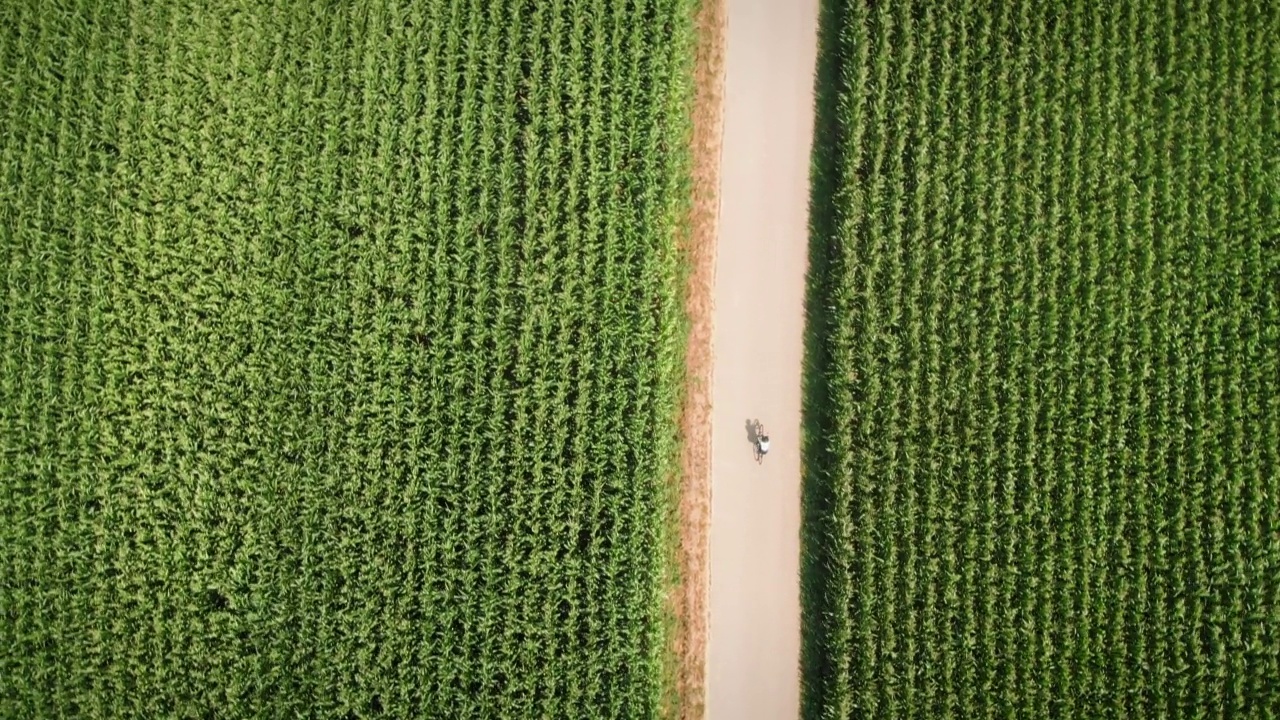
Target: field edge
x: 688, y: 599
x: 818, y: 422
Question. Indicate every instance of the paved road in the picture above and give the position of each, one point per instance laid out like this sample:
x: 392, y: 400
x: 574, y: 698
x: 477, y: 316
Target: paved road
x: 754, y: 647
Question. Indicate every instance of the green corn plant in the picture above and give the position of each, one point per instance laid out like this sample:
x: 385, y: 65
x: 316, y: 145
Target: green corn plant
x: 1039, y: 475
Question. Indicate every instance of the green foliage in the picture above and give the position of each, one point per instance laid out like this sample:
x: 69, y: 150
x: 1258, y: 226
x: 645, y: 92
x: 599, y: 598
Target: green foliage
x: 1044, y: 424
x: 338, y: 356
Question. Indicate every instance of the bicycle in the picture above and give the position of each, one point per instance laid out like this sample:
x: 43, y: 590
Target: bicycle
x: 762, y: 443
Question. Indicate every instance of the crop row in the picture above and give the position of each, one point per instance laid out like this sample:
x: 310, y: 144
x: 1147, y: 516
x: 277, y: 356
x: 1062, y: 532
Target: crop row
x: 338, y: 356
x: 1048, y: 478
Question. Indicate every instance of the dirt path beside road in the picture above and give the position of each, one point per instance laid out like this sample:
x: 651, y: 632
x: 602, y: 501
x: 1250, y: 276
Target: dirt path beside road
x: 689, y: 600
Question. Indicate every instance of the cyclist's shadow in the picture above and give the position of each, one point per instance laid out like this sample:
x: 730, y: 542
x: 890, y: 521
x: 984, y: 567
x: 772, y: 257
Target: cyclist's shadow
x: 753, y: 431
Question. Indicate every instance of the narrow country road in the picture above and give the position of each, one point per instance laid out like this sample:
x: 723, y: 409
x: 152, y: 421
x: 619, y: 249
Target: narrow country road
x: 754, y: 646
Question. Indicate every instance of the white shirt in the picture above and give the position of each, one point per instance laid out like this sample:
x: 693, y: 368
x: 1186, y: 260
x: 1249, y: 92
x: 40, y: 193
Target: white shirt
x: 764, y: 446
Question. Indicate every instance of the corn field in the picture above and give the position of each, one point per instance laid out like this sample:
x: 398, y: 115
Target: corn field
x: 1043, y: 469
x: 339, y: 356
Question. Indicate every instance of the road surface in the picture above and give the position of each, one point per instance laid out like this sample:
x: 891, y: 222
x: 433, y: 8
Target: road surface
x: 753, y: 654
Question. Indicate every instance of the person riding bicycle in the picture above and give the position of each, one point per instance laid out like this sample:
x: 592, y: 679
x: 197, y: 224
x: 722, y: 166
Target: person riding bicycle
x: 763, y: 443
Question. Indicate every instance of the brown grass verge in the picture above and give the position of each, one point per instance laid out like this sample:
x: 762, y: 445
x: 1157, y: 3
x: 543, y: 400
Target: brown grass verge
x: 690, y: 596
